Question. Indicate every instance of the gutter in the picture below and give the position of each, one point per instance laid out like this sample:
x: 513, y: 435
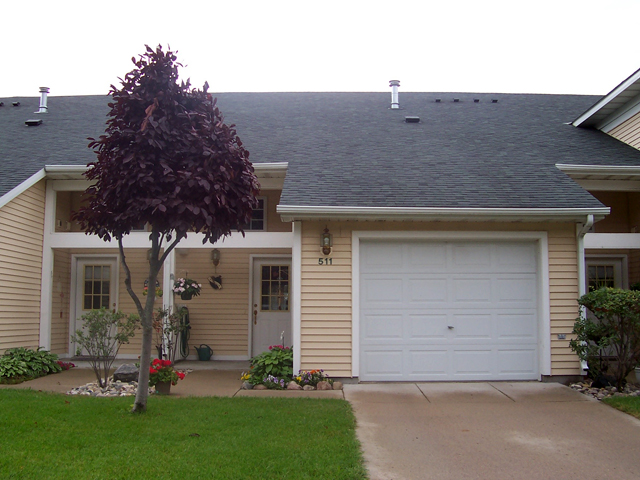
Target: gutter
x: 296, y: 212
x: 581, y: 231
x: 598, y: 169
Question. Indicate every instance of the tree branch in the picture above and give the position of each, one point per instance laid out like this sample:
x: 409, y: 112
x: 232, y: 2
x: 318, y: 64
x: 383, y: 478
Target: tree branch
x: 127, y: 279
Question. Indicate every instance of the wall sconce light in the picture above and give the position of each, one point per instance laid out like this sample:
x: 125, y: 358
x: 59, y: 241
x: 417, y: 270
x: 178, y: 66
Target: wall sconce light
x: 326, y: 242
x: 215, y: 257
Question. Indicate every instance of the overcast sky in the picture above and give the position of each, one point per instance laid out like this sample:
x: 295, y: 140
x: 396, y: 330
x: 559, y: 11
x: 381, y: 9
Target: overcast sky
x: 546, y: 46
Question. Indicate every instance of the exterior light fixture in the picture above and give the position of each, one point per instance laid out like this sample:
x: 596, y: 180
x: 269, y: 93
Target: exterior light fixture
x: 326, y: 242
x: 215, y: 257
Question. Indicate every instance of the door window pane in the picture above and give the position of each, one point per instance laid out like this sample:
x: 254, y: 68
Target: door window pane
x: 97, y: 287
x: 275, y: 288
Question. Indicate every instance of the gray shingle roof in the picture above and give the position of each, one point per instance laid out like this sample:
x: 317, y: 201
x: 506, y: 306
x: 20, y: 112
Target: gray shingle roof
x: 350, y: 149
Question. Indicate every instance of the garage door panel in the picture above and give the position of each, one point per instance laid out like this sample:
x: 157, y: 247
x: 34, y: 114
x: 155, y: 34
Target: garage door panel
x: 426, y: 255
x: 517, y: 326
x: 470, y: 258
x: 471, y: 326
x: 422, y: 289
x: 424, y: 327
x: 486, y: 291
x: 472, y: 362
x: 383, y: 290
x: 384, y: 363
x: 519, y: 258
x: 517, y: 361
x: 383, y: 327
x: 512, y: 289
x: 433, y: 363
x: 476, y: 290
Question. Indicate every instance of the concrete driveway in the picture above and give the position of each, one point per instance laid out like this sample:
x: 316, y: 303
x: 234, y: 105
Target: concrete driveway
x: 498, y: 430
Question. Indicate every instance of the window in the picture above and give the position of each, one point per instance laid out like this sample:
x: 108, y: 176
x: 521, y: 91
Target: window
x: 274, y: 281
x: 97, y: 287
x: 259, y: 216
x: 601, y: 276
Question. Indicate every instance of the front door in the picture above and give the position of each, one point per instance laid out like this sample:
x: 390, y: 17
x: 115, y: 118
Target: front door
x: 96, y: 280
x: 271, y: 314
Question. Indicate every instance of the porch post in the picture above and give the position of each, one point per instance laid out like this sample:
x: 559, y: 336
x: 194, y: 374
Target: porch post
x: 296, y: 267
x: 167, y: 297
x: 46, y: 285
x: 581, y: 231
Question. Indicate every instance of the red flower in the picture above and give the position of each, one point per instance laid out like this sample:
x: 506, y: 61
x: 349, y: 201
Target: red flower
x: 166, y: 363
x: 152, y: 370
x: 180, y: 375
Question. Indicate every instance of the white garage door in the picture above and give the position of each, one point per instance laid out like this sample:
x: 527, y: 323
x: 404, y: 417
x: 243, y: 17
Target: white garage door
x: 448, y: 311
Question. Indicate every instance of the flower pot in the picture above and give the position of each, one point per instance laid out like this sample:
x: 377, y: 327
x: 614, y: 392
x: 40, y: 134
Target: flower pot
x: 186, y: 295
x: 163, y: 388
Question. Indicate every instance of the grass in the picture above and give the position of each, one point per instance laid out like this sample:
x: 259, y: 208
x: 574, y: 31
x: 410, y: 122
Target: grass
x: 630, y: 405
x: 66, y: 437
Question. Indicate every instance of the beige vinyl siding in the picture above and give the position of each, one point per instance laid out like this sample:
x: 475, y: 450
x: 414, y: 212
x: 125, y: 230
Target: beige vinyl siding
x: 220, y: 318
x: 563, y: 295
x: 60, y: 302
x: 21, y: 243
x: 628, y: 131
x: 274, y: 223
x: 326, y: 290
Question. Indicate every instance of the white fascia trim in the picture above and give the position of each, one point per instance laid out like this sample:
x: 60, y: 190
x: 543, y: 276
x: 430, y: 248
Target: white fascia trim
x: 607, y: 98
x: 598, y: 169
x: 17, y: 190
x: 270, y: 167
x: 296, y: 268
x: 67, y: 169
x: 620, y: 116
x: 292, y: 213
x: 544, y: 302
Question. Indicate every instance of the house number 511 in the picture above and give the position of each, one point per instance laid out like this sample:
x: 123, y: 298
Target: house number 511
x: 325, y: 261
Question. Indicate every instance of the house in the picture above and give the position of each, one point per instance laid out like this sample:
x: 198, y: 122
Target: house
x: 436, y: 236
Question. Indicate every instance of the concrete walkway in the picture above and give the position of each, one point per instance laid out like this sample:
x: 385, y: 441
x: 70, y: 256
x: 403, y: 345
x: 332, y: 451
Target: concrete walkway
x: 495, y: 431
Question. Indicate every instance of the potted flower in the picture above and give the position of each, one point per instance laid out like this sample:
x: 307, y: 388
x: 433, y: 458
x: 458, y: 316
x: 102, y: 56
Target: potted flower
x: 186, y: 288
x: 162, y: 376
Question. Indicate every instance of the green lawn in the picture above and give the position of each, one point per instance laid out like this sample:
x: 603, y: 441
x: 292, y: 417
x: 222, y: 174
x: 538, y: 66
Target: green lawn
x: 630, y: 405
x: 53, y: 436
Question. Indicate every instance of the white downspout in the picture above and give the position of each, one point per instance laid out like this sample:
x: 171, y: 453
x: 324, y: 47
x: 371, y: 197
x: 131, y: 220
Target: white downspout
x: 582, y: 283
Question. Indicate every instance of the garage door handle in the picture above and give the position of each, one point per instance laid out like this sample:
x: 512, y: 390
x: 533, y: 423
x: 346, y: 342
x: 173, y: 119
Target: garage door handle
x: 450, y: 327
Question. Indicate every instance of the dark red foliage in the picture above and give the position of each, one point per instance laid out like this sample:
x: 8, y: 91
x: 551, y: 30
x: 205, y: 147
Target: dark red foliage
x: 168, y: 159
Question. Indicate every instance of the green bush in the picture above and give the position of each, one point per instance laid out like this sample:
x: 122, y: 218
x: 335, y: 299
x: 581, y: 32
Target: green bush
x: 277, y: 362
x: 612, y: 330
x: 27, y: 363
x: 104, y: 331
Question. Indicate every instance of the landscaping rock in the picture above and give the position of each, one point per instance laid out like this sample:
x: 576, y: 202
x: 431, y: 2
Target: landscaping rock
x: 247, y: 386
x: 293, y: 386
x: 587, y: 388
x: 307, y: 388
x: 126, y: 373
x: 337, y: 385
x: 324, y: 386
x: 259, y: 387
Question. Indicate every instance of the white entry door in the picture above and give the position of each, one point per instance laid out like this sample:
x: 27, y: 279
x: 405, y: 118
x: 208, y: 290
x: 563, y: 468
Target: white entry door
x: 271, y: 314
x: 96, y: 281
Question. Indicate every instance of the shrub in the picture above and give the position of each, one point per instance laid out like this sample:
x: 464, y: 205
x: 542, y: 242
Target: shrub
x: 311, y: 377
x: 612, y: 329
x: 103, y: 333
x: 277, y: 362
x: 27, y: 363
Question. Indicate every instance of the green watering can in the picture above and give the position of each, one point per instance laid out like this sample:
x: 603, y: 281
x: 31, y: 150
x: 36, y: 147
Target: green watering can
x: 204, y: 352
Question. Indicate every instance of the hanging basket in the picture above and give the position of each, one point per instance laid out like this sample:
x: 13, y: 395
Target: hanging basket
x: 186, y: 295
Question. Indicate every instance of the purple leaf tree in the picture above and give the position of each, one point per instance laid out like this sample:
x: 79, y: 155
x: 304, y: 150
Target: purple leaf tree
x: 166, y: 159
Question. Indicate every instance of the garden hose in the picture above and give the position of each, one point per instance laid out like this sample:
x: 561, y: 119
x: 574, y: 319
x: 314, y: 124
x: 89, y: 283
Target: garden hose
x: 185, y: 332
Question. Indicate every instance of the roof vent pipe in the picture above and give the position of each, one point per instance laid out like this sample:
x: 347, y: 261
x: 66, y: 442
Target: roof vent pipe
x: 394, y: 84
x: 43, y: 100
